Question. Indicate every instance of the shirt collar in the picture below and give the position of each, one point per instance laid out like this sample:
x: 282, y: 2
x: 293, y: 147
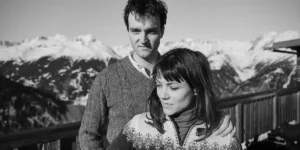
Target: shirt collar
x: 138, y: 66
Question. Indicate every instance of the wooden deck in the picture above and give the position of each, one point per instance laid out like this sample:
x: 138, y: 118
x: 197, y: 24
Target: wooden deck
x: 252, y: 114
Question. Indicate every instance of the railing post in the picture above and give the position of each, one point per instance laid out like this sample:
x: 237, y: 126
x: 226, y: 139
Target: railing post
x: 55, y: 145
x: 77, y: 143
x: 298, y: 108
x: 275, y: 112
x: 298, y: 84
x: 239, y: 121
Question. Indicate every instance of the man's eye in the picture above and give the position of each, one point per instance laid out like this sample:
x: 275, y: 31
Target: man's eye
x: 158, y: 85
x: 135, y: 31
x: 152, y: 32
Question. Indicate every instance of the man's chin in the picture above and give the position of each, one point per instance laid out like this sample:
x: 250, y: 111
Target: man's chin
x: 145, y: 54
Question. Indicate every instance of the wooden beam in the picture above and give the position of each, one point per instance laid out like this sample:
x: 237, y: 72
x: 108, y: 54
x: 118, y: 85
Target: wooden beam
x: 293, y: 44
x: 43, y: 135
x: 232, y: 101
x: 281, y: 51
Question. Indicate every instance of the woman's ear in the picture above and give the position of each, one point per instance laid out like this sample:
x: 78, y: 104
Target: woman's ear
x: 196, y: 91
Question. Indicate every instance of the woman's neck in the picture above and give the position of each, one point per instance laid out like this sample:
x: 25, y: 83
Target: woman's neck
x: 185, y: 118
x: 184, y: 121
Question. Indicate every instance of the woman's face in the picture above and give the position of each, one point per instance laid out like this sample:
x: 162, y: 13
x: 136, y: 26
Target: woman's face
x: 175, y: 97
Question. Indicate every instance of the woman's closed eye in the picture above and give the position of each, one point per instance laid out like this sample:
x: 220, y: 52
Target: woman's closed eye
x: 174, y: 87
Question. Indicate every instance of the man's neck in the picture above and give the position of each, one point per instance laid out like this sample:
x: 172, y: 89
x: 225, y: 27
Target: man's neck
x: 147, y: 63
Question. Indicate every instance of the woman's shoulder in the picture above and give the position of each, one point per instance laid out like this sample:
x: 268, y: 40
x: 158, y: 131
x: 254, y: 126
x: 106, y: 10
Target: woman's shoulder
x: 142, y: 117
x: 140, y: 132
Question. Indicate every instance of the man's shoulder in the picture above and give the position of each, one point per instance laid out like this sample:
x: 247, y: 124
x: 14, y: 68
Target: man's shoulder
x: 111, y: 69
x: 110, y: 75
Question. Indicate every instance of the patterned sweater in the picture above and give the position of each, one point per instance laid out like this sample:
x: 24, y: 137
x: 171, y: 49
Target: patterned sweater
x: 139, y: 135
x: 118, y: 93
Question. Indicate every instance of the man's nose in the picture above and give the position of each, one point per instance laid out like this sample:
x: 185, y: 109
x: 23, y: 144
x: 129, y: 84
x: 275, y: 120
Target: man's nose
x: 144, y: 38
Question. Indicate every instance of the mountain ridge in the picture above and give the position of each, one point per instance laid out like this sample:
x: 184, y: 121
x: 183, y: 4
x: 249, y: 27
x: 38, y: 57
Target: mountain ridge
x: 66, y: 68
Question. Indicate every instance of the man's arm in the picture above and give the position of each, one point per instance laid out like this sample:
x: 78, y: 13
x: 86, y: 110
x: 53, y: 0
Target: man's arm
x: 94, y: 117
x: 226, y: 128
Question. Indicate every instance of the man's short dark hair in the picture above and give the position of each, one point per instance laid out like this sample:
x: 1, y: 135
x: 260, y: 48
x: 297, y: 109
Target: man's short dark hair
x: 144, y: 8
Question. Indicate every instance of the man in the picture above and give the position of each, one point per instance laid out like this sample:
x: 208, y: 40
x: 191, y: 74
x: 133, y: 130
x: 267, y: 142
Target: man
x: 121, y: 90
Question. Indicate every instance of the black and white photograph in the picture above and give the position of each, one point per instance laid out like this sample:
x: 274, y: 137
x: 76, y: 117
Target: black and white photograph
x: 149, y: 74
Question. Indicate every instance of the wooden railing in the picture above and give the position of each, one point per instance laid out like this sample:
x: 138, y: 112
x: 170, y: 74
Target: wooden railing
x: 56, y: 137
x: 252, y: 114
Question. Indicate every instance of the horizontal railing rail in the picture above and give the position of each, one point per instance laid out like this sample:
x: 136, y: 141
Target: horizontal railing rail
x: 252, y: 114
x: 42, y: 135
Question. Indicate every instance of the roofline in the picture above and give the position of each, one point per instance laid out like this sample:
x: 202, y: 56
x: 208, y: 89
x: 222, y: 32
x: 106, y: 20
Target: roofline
x: 294, y: 45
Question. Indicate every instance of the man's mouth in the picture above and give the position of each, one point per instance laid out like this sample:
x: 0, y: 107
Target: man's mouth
x: 144, y: 47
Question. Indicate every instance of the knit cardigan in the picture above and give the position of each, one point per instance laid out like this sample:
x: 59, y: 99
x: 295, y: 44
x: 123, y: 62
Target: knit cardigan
x: 139, y: 135
x: 118, y: 93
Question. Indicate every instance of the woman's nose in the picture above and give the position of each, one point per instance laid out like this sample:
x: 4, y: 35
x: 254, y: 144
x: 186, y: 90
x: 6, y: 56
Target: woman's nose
x: 163, y: 93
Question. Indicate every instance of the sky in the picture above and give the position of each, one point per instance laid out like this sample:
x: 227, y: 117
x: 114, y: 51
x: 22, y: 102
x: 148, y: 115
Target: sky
x: 238, y: 20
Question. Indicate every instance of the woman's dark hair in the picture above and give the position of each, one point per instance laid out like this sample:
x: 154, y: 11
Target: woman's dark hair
x: 145, y: 8
x: 181, y: 64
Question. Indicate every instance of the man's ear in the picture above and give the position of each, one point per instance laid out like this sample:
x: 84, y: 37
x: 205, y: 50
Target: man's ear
x: 162, y: 31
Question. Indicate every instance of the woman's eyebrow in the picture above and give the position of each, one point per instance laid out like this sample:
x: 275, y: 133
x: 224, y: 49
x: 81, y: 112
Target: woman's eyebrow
x: 169, y: 83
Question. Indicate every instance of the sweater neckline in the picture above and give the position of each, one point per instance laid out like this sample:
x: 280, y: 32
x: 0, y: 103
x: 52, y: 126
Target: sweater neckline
x: 183, y: 123
x: 185, y: 119
x: 133, y: 72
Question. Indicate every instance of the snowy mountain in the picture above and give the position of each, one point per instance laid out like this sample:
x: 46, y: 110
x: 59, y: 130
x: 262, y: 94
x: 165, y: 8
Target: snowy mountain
x: 24, y: 107
x: 241, y: 67
x: 83, y: 47
x: 123, y: 50
x: 65, y: 69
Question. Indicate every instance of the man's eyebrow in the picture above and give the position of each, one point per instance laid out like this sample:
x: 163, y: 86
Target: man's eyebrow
x: 133, y: 28
x: 152, y: 29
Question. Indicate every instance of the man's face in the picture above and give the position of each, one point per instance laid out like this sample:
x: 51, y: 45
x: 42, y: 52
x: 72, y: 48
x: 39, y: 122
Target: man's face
x: 145, y: 34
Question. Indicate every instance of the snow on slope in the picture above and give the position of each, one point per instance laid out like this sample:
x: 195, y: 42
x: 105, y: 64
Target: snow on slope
x: 243, y: 56
x: 123, y: 50
x: 82, y: 47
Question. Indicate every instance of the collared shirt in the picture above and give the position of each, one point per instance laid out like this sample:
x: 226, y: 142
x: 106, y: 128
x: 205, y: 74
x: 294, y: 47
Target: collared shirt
x: 138, y: 67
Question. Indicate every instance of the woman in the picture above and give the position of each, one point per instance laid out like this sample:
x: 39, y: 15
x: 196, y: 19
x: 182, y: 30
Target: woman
x: 183, y: 113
